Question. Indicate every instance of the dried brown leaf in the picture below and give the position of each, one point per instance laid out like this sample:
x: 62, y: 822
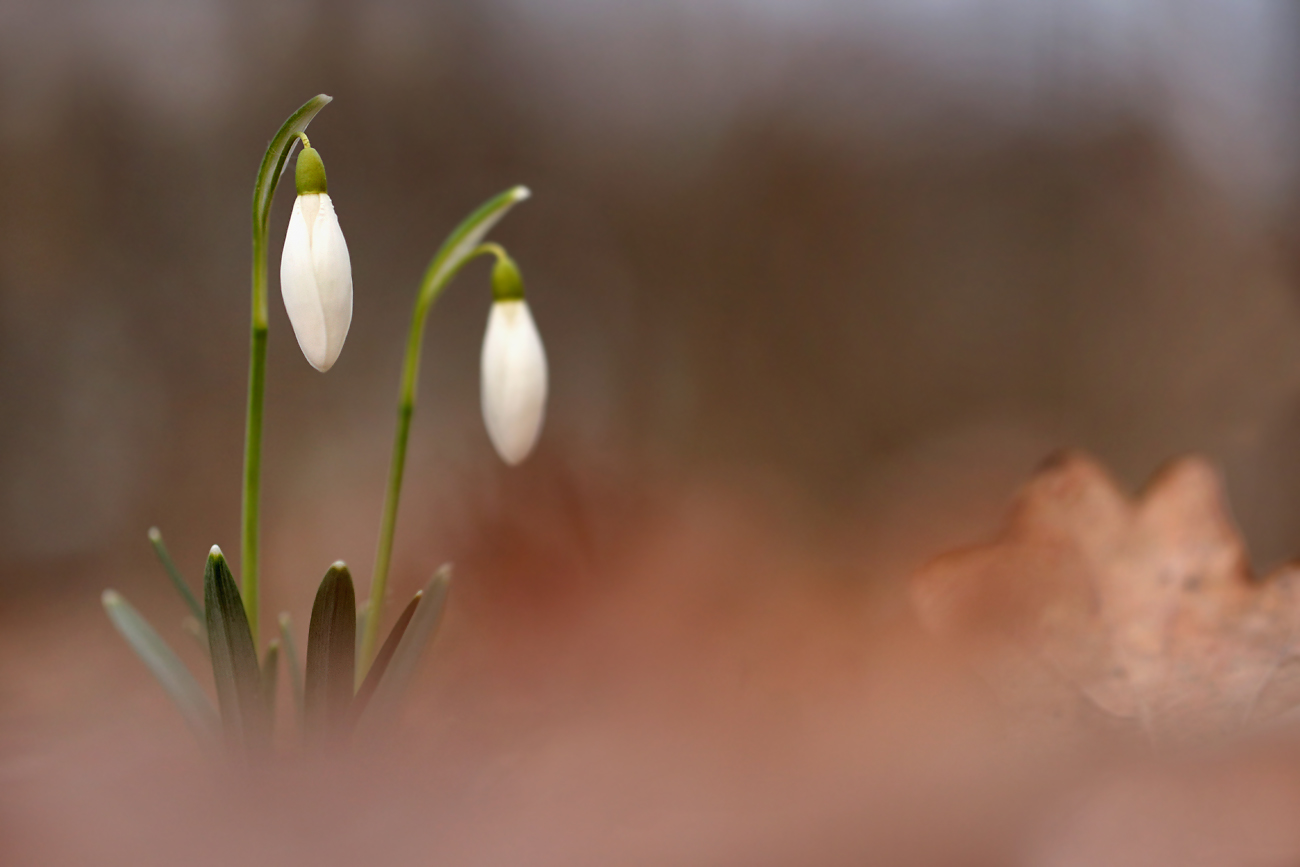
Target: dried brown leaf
x: 1144, y: 605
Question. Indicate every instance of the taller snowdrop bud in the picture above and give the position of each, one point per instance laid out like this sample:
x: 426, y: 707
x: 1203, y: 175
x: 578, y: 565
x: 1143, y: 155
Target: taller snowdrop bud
x: 514, y: 368
x: 315, y: 271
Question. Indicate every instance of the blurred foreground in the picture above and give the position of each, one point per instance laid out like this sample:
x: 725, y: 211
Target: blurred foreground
x: 641, y: 672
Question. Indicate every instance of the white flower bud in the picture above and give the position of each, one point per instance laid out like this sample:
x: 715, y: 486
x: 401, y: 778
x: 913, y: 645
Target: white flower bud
x: 315, y: 271
x: 514, y: 380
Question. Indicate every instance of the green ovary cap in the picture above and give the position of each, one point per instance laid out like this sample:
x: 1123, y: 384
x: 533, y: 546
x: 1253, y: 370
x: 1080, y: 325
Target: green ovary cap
x: 507, y: 284
x: 310, y: 174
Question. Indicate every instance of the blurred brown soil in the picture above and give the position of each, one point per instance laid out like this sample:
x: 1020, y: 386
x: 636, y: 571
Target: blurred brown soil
x: 681, y: 674
x: 630, y: 671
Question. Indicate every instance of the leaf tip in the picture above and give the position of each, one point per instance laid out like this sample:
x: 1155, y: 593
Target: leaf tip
x: 216, y: 552
x: 155, y: 535
x: 111, y: 598
x: 520, y: 193
x: 283, y: 619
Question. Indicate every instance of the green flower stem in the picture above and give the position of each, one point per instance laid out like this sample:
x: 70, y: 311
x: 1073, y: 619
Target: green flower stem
x: 268, y: 177
x: 460, y: 247
x: 249, y: 540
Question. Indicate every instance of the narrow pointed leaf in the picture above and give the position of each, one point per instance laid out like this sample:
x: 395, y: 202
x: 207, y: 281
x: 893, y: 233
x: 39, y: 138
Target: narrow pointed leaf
x: 464, y: 240
x: 331, y: 653
x: 270, y: 680
x: 175, y: 678
x: 383, y: 658
x: 277, y: 154
x: 234, y: 659
x: 401, y: 668
x: 291, y: 662
x: 178, y: 580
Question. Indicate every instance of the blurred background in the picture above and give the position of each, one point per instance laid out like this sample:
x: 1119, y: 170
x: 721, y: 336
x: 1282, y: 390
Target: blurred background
x: 852, y: 269
x: 812, y: 241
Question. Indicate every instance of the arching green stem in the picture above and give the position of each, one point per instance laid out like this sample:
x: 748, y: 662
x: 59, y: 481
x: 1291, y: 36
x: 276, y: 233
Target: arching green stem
x: 461, y: 246
x: 268, y: 177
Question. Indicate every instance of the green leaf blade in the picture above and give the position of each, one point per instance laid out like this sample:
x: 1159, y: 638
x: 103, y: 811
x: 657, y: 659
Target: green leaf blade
x: 166, y: 667
x: 368, y: 686
x: 178, y: 580
x: 235, y: 666
x: 331, y: 654
x: 291, y: 662
x: 277, y: 154
x: 401, y: 669
x: 464, y: 240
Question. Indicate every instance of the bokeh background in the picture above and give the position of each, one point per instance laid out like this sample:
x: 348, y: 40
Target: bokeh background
x: 811, y: 240
x: 842, y: 272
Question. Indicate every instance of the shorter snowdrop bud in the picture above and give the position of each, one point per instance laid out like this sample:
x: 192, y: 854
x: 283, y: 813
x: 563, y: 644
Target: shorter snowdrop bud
x: 514, y: 367
x: 315, y: 271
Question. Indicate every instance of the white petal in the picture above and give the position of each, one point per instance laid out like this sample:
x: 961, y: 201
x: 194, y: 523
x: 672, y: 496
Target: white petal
x: 316, y: 280
x: 298, y: 286
x: 333, y: 279
x: 514, y: 380
x: 310, y: 207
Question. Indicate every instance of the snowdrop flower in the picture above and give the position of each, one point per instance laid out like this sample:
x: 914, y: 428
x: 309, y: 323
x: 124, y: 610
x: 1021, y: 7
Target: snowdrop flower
x: 513, y: 367
x: 315, y: 271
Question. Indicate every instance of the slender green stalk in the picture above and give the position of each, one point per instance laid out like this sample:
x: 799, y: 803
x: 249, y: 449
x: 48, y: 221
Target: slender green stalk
x: 268, y: 177
x: 460, y: 247
x: 249, y: 540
